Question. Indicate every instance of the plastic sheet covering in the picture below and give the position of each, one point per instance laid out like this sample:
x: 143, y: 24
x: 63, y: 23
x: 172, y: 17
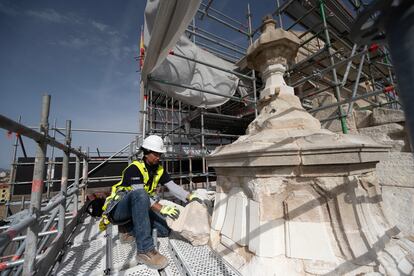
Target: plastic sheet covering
x: 165, y: 24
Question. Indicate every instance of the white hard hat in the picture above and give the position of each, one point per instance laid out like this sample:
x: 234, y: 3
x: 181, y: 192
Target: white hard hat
x: 154, y: 143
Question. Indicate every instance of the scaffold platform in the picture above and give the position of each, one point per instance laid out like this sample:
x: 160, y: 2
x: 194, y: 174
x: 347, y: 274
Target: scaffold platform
x: 87, y: 255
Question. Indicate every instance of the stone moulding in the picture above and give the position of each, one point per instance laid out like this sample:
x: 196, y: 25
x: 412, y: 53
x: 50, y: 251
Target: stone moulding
x: 294, y: 154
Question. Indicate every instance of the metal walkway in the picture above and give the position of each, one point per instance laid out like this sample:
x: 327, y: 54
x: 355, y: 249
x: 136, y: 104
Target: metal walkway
x: 87, y: 255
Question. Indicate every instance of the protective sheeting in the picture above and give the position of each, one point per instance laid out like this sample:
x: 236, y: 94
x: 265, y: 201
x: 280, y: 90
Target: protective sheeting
x: 165, y: 24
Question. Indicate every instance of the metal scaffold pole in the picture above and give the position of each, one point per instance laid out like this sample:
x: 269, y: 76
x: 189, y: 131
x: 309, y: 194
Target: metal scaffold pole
x: 203, y: 146
x: 249, y: 17
x: 13, y: 168
x: 37, y: 189
x: 180, y: 118
x: 332, y: 62
x: 76, y: 186
x: 64, y: 180
x: 51, y: 165
x: 84, y: 180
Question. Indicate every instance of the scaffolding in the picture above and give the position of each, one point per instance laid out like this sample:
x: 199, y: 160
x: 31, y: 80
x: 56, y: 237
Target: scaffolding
x: 191, y: 133
x: 331, y: 62
x: 357, y: 76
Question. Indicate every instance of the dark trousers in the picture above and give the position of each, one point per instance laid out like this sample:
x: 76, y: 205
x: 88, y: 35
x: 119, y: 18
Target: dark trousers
x: 135, y: 206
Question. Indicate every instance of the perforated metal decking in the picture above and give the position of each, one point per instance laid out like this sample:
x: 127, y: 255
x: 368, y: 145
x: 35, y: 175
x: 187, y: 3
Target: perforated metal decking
x: 199, y: 260
x: 87, y: 256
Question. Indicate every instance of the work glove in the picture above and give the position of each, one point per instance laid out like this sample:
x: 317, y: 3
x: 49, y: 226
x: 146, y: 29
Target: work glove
x: 103, y: 223
x: 170, y: 211
x: 195, y: 197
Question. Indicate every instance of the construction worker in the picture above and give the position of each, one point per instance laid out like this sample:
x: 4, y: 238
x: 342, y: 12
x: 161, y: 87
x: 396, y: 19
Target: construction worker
x: 133, y: 202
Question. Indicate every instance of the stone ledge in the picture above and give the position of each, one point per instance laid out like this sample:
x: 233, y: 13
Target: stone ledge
x: 304, y: 158
x: 293, y: 171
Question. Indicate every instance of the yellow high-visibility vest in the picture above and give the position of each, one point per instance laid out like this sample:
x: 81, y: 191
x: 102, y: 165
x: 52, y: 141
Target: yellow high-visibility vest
x: 119, y: 190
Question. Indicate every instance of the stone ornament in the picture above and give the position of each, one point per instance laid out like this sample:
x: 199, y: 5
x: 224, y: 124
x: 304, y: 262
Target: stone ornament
x: 295, y: 199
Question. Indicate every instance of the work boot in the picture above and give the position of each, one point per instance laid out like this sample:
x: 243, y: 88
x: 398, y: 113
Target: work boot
x: 153, y: 259
x: 126, y: 237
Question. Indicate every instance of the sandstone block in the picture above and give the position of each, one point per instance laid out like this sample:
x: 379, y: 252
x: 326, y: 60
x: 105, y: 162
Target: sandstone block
x: 399, y: 206
x: 309, y: 240
x: 228, y: 242
x: 397, y: 169
x: 392, y: 134
x: 214, y: 238
x: 193, y: 223
x: 219, y: 212
x: 362, y: 118
x: 232, y: 257
x: 296, y: 210
x: 381, y: 116
x: 324, y: 99
x: 230, y: 212
x: 240, y: 221
x: 266, y: 238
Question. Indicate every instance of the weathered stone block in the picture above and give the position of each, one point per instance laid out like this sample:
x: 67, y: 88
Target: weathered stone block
x: 362, y: 118
x: 240, y: 220
x: 389, y: 134
x: 381, y: 116
x: 214, y: 238
x: 230, y: 213
x: 219, y: 212
x: 399, y: 206
x: 309, y: 240
x: 266, y: 238
x: 231, y: 256
x: 303, y: 206
x: 397, y: 169
x: 193, y: 223
x: 226, y: 183
x: 326, y: 98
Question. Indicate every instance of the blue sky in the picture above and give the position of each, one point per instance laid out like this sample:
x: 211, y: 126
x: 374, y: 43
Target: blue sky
x: 82, y: 54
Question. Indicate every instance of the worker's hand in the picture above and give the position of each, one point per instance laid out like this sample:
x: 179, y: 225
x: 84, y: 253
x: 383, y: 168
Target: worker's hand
x: 194, y: 197
x: 103, y: 223
x: 170, y: 211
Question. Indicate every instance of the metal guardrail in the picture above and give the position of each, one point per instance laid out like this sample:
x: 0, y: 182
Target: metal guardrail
x: 37, y: 262
x: 39, y: 259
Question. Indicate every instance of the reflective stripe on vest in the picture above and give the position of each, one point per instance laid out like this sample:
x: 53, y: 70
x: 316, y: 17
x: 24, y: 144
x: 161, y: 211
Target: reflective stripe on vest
x: 150, y: 188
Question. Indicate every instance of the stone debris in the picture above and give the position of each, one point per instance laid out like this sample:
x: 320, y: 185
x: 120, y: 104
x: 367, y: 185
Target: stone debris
x: 193, y: 223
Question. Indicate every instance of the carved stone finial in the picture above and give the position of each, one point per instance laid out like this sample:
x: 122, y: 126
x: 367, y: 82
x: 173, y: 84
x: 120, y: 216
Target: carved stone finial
x: 268, y: 23
x: 273, y: 46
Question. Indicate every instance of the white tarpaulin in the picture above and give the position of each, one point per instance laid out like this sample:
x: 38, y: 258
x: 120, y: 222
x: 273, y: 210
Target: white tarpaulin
x: 165, y: 24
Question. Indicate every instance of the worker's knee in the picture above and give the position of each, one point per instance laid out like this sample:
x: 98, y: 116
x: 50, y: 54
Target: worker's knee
x: 140, y: 195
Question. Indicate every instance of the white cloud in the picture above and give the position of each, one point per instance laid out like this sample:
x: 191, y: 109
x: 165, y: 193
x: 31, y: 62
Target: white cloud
x: 53, y: 16
x: 75, y: 42
x: 100, y: 26
x: 107, y: 42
